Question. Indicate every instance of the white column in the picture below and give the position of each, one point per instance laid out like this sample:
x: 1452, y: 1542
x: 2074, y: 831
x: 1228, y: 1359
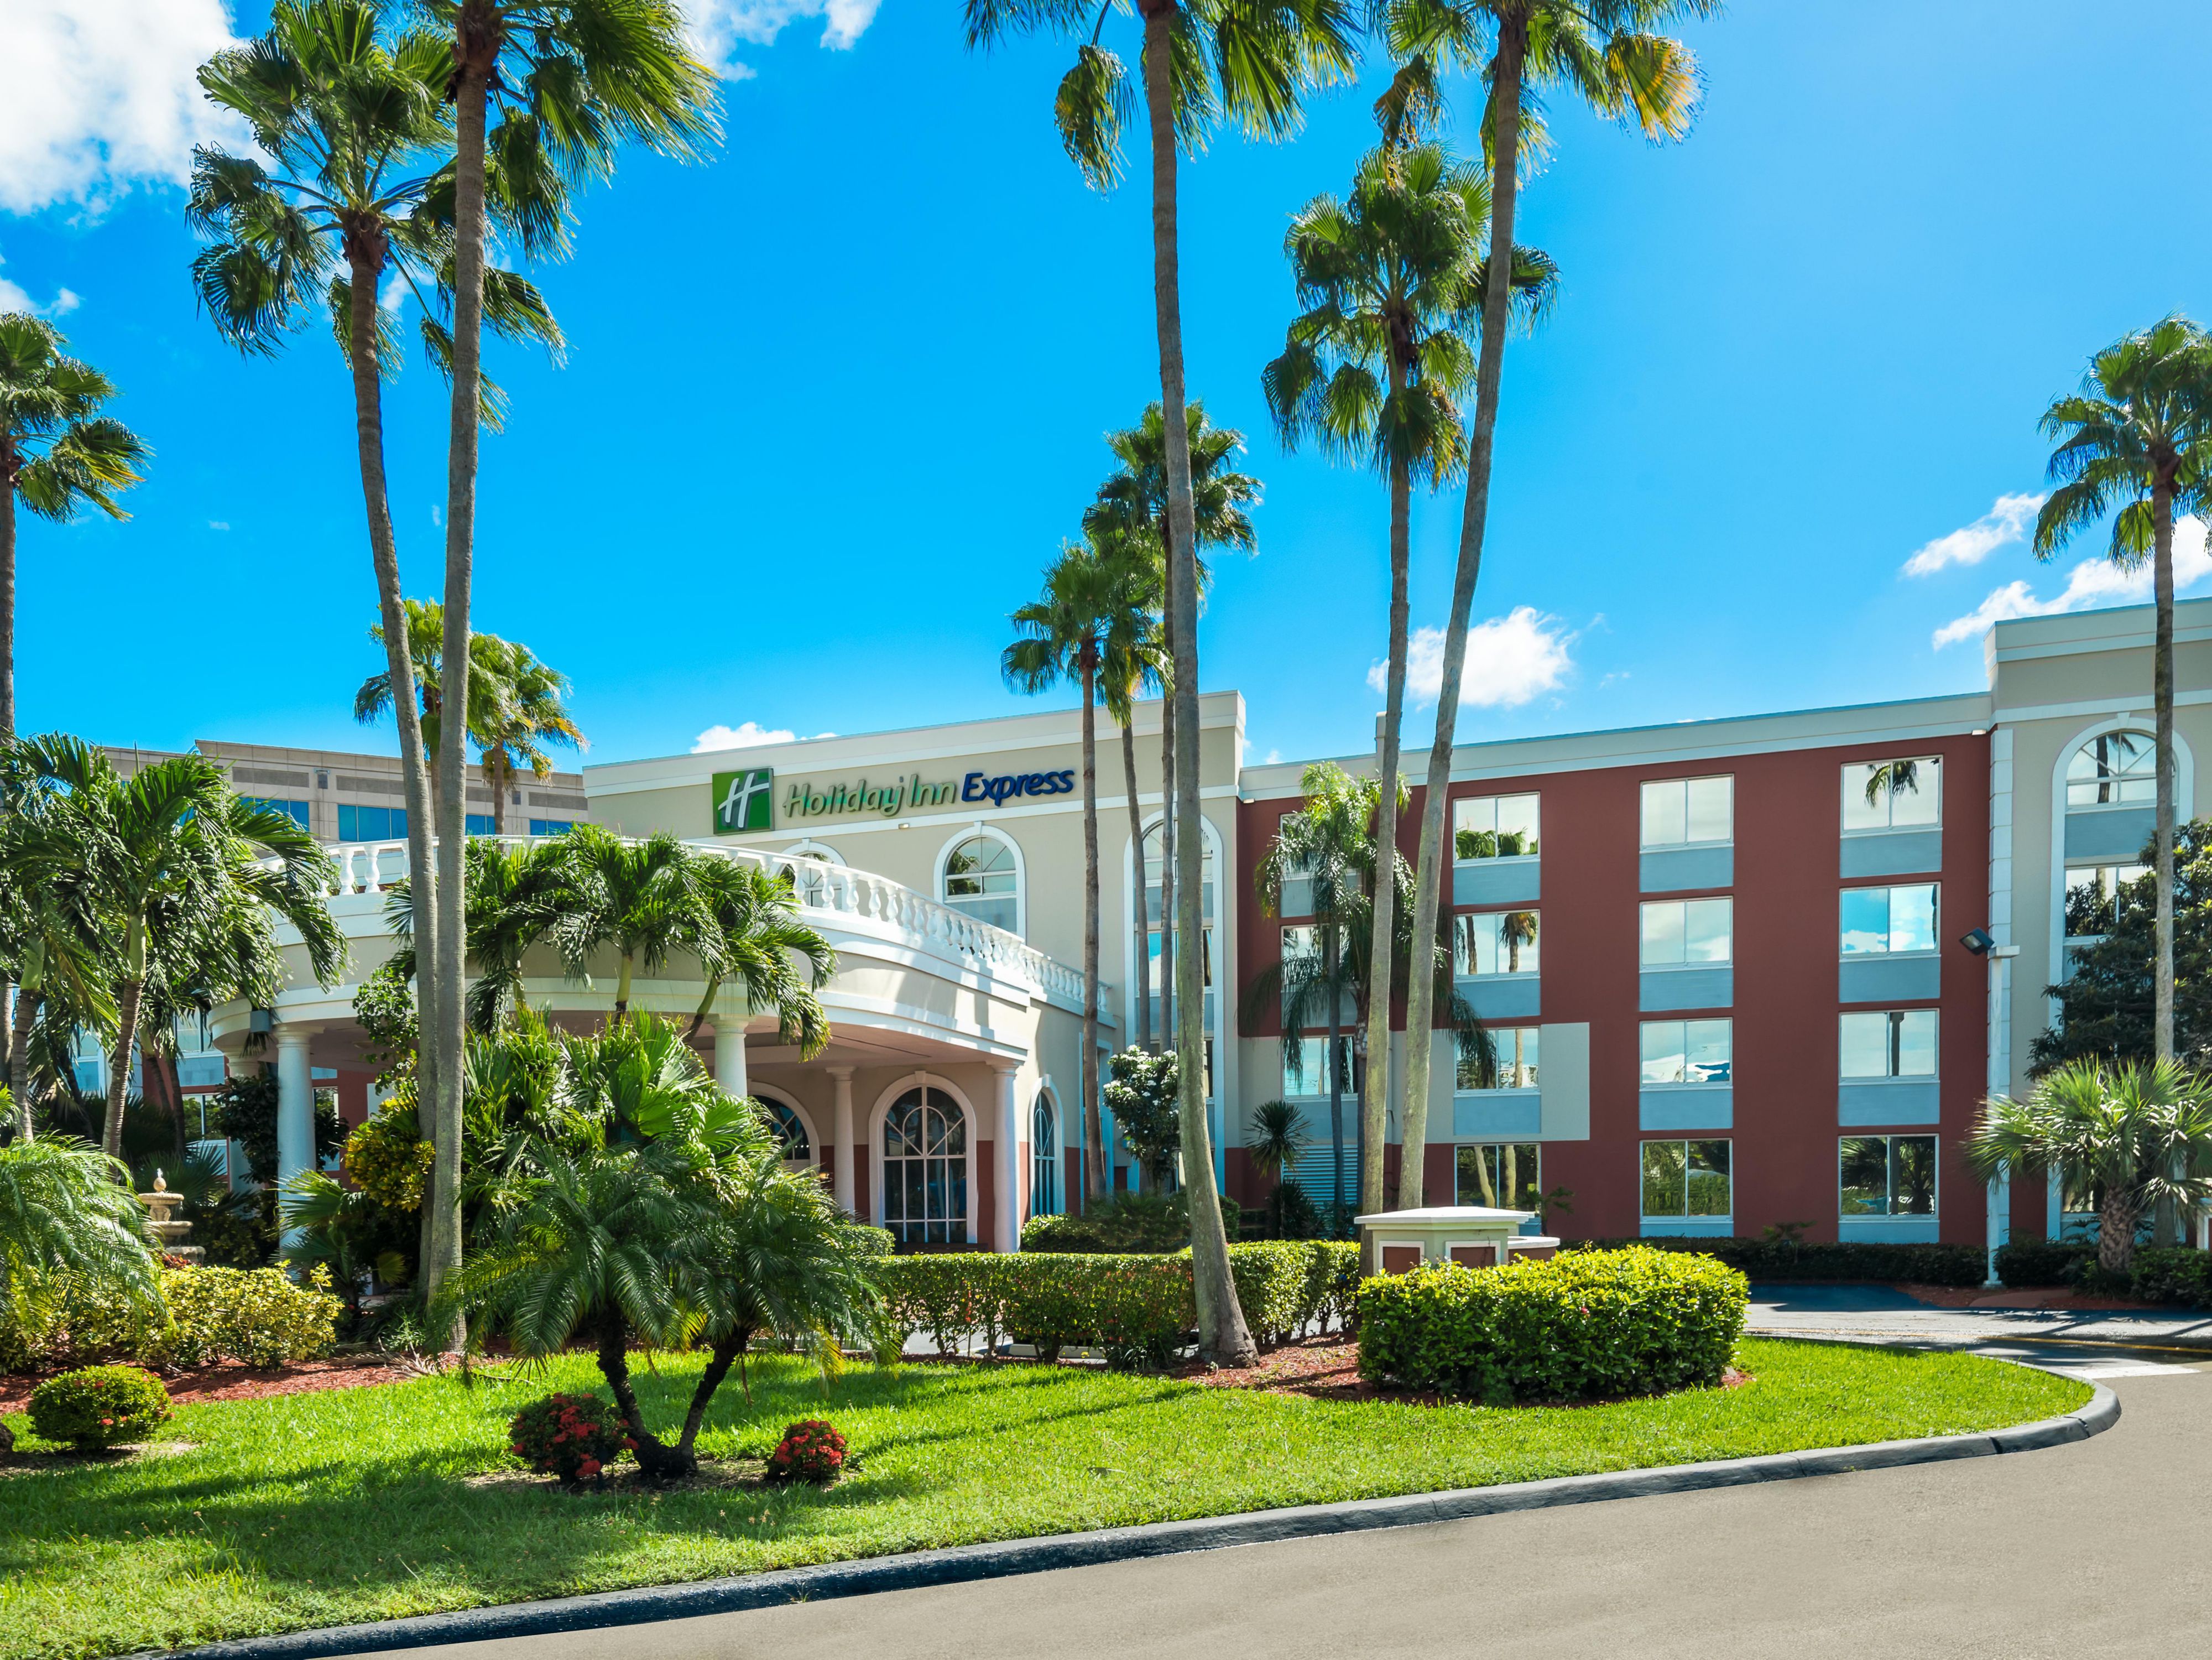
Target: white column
x: 841, y: 1138
x: 296, y: 1106
x: 730, y: 1056
x: 1009, y: 1220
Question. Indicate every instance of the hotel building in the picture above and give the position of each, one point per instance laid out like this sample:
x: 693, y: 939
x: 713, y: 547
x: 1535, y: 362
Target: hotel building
x: 1728, y: 985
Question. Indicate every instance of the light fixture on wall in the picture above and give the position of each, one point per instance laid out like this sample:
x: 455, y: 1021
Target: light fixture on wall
x: 1980, y: 941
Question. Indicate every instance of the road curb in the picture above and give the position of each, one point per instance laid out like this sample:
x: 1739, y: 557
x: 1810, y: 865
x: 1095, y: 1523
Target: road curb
x: 962, y: 1562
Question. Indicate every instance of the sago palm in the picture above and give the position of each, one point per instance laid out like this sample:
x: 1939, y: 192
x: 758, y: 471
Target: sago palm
x: 1063, y: 638
x: 1608, y: 55
x: 1375, y: 368
x: 2136, y: 1136
x: 572, y: 81
x: 59, y: 454
x: 2135, y: 443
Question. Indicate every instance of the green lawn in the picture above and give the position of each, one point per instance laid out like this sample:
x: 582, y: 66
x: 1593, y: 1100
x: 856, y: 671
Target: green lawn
x: 312, y: 1510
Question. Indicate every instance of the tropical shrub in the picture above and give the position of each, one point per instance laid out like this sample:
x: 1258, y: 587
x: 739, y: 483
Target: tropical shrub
x: 574, y: 1437
x: 1126, y: 1222
x: 1272, y: 1278
x: 2171, y: 1274
x: 387, y: 1157
x: 257, y: 1316
x: 97, y: 1407
x: 810, y: 1450
x: 246, y: 1111
x: 1585, y: 1325
x: 2024, y: 1263
x: 1782, y: 1259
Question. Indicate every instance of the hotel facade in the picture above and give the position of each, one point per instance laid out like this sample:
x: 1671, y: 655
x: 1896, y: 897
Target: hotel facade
x: 1727, y: 984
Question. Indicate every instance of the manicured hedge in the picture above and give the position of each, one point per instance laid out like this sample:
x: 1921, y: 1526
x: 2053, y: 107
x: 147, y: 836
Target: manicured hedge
x: 1587, y: 1324
x: 1776, y: 1261
x: 1136, y: 1306
x: 259, y: 1316
x: 2025, y: 1263
x: 2171, y: 1274
x: 1125, y: 1223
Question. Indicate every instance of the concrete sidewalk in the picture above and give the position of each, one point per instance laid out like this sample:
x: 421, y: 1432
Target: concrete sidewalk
x: 1884, y: 1315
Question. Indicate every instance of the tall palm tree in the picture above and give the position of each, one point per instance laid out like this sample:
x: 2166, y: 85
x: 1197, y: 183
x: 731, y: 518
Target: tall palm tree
x: 574, y: 80
x: 1135, y: 654
x: 527, y: 715
x: 1392, y: 279
x: 642, y: 897
x: 495, y: 698
x: 2137, y: 438
x: 1133, y: 504
x: 1605, y: 53
x: 177, y: 870
x: 351, y: 187
x: 58, y: 454
x: 1063, y: 636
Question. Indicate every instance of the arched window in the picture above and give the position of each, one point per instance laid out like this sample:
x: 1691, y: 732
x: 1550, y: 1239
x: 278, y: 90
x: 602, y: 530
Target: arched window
x: 797, y: 1150
x: 2112, y: 768
x: 925, y: 1169
x: 982, y: 879
x: 1044, y: 1158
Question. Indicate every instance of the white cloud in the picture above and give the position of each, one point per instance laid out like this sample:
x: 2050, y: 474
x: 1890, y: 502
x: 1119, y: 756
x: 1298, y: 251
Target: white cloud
x: 751, y: 735
x: 218, y: 524
x: 2006, y: 521
x: 2091, y: 582
x: 1510, y: 660
x: 96, y: 95
x: 13, y: 296
x: 718, y: 25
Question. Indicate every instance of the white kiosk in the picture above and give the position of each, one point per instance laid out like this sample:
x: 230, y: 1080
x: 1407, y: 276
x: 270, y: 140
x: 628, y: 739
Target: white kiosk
x: 1472, y: 1236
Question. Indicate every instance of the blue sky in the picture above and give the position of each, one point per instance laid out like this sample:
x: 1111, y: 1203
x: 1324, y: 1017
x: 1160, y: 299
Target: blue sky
x: 833, y: 398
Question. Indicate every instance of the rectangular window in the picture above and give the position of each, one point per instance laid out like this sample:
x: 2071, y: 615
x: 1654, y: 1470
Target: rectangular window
x: 1516, y: 1049
x: 1880, y: 795
x: 1688, y: 1051
x: 1305, y: 1067
x: 1301, y: 943
x: 295, y: 810
x: 1886, y: 1175
x: 1685, y: 1179
x: 1494, y: 826
x: 551, y: 826
x: 1889, y: 1043
x: 1687, y: 931
x: 1888, y: 920
x: 1496, y: 942
x: 199, y: 1072
x: 1679, y: 811
x: 371, y: 823
x: 1500, y: 1175
x: 2094, y: 894
x: 478, y: 823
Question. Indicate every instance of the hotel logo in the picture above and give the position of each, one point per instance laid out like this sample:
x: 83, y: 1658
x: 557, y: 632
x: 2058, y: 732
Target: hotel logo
x: 744, y: 801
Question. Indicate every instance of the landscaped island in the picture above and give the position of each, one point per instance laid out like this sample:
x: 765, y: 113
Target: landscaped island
x: 322, y: 1509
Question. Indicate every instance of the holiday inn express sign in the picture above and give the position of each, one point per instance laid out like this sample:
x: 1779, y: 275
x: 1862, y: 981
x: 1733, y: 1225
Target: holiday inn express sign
x: 747, y: 800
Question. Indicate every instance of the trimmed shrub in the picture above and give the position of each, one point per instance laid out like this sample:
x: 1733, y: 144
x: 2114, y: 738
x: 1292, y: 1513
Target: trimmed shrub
x: 1273, y: 1287
x: 574, y: 1437
x: 98, y: 1407
x: 1331, y: 1287
x: 1125, y: 1223
x: 810, y: 1450
x: 2171, y: 1274
x: 1588, y: 1324
x: 387, y: 1157
x: 1783, y: 1260
x: 2025, y: 1263
x: 257, y: 1316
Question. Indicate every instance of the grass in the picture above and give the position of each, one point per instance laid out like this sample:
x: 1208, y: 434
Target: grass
x: 314, y: 1510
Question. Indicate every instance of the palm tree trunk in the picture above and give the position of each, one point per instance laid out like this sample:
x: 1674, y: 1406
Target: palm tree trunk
x: 621, y: 989
x: 497, y: 775
x: 367, y: 261
x: 1168, y: 851
x: 119, y: 1066
x: 1094, y: 1134
x: 724, y: 1353
x: 8, y: 461
x: 1336, y: 1079
x: 1375, y: 1090
x: 1420, y: 1014
x: 2116, y: 1232
x: 1143, y: 923
x: 19, y: 1059
x: 1222, y: 1336
x: 2165, y: 1228
x: 655, y: 1457
x: 475, y: 55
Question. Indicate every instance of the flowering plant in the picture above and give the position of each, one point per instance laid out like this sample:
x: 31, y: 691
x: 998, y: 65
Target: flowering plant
x: 99, y: 1406
x: 810, y: 1450
x: 574, y: 1437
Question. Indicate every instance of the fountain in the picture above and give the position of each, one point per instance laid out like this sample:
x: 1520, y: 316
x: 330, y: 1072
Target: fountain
x: 162, y: 1222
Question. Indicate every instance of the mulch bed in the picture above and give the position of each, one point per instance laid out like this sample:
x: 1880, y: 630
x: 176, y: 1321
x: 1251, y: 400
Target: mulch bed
x: 233, y: 1382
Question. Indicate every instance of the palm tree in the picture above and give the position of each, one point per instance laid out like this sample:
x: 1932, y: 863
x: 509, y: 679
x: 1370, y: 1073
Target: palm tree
x: 66, y: 1206
x: 348, y: 191
x: 517, y: 898
x: 759, y: 939
x: 2137, y: 438
x: 576, y: 79
x: 1276, y: 1135
x: 58, y: 454
x: 2136, y: 1136
x: 1134, y: 654
x: 1063, y: 638
x: 1392, y: 280
x: 183, y: 877
x: 1604, y: 54
x: 1132, y: 506
x: 495, y: 698
x: 526, y: 716
x: 640, y: 897
x: 55, y: 952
